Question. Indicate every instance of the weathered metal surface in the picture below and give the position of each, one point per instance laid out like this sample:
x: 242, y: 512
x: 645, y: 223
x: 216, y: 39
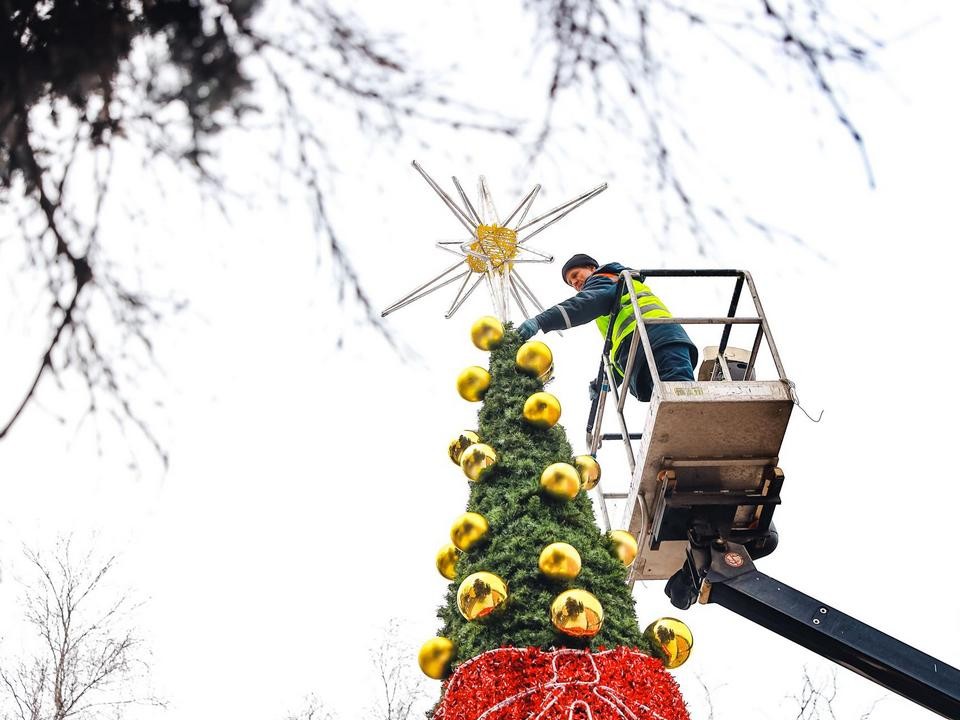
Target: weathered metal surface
x: 730, y: 430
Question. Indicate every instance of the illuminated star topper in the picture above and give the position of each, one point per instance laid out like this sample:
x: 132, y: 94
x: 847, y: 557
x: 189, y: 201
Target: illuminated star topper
x: 493, y: 248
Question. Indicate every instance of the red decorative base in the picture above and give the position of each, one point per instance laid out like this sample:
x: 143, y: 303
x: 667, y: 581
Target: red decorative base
x: 530, y: 684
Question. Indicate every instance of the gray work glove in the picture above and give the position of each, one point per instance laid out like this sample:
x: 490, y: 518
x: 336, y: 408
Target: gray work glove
x: 528, y: 328
x: 594, y: 389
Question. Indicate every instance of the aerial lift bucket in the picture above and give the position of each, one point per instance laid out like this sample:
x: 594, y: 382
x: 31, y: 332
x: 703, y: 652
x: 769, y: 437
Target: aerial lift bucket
x: 712, y: 443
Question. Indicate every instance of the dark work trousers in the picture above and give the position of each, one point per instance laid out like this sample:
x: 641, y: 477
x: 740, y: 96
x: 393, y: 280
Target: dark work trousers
x: 675, y: 363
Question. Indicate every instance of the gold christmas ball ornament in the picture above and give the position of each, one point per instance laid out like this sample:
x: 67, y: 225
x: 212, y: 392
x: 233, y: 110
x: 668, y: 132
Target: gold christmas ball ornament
x: 541, y: 410
x: 626, y: 544
x: 576, y: 613
x: 589, y: 470
x: 472, y: 383
x: 480, y: 594
x: 487, y: 332
x: 461, y: 443
x: 476, y: 460
x: 674, y: 639
x: 561, y: 481
x: 435, y: 656
x: 560, y: 561
x: 468, y: 529
x: 447, y: 557
x: 534, y: 358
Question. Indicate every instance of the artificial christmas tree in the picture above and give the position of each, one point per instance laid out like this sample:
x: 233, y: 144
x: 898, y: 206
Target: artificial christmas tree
x: 538, y: 619
x: 537, y: 592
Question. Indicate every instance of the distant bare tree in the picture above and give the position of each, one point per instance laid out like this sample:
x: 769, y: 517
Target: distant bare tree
x: 818, y: 695
x: 400, y: 682
x: 85, y: 661
x: 313, y: 709
x: 816, y: 700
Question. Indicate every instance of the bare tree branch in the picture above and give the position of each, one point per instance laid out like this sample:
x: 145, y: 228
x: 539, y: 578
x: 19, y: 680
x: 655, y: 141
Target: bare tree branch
x: 708, y: 696
x: 166, y: 81
x: 617, y: 51
x: 172, y: 82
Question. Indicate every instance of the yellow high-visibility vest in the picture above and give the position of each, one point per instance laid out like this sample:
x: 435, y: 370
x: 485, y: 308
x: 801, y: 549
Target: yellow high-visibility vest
x: 626, y: 322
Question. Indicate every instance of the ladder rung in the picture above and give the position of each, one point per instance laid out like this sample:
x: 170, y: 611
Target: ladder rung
x: 704, y: 321
x: 619, y: 436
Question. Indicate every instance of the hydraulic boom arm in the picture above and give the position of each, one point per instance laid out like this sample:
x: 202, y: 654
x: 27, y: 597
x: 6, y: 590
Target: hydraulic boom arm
x: 723, y: 573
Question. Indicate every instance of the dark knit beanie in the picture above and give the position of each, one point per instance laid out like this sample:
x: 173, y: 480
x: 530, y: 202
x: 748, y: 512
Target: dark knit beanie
x: 578, y: 260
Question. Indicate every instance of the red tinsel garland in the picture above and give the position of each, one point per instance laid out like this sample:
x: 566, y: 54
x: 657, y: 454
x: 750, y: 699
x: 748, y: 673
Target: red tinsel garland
x: 530, y: 684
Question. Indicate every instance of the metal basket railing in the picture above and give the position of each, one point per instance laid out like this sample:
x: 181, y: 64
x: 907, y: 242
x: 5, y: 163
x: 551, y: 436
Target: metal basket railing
x: 606, y: 379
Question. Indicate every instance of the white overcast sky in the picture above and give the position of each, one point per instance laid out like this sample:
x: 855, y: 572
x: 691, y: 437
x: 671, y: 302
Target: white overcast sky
x: 309, y: 487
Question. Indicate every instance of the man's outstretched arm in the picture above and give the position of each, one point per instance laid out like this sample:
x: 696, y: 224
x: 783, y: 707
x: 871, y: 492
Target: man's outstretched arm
x: 595, y: 299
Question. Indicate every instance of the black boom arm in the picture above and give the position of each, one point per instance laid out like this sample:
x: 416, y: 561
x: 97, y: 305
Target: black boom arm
x: 723, y: 573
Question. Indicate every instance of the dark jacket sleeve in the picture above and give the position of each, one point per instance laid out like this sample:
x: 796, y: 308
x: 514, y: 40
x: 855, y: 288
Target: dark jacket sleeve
x: 595, y: 299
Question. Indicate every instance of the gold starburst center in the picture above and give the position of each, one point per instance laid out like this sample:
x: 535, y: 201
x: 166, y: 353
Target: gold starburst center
x: 498, y: 245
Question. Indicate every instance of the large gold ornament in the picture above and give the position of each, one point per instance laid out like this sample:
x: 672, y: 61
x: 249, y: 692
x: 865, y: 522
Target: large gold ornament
x: 576, y: 613
x: 468, y: 529
x: 435, y: 656
x: 476, y: 460
x: 560, y: 561
x: 541, y: 410
x: 461, y: 443
x: 560, y: 480
x: 480, y: 594
x: 674, y: 639
x: 487, y: 332
x: 447, y: 557
x: 472, y: 383
x: 626, y: 546
x: 589, y: 470
x: 535, y: 359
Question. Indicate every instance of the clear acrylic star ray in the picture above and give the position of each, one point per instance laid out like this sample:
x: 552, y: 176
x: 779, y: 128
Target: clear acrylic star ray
x: 492, y: 250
